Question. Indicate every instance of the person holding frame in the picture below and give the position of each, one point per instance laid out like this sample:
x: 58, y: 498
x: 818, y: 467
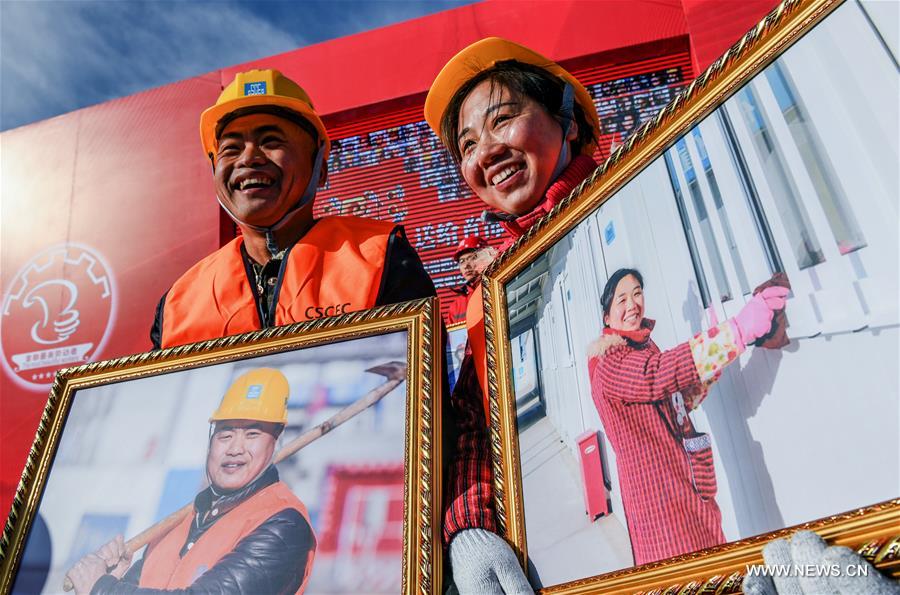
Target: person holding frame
x: 269, y: 149
x: 522, y: 130
x: 269, y: 152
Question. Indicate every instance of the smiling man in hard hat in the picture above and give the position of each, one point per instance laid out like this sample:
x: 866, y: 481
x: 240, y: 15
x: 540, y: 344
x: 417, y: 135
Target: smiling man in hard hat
x: 269, y: 152
x: 247, y: 533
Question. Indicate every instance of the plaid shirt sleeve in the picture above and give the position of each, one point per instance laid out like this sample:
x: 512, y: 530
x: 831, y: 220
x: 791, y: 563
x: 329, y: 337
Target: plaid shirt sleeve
x: 647, y: 375
x: 470, y: 495
x: 644, y: 376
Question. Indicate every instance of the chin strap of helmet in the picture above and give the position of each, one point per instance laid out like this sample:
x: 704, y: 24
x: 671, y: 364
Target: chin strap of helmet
x: 308, y: 194
x: 567, y: 117
x: 494, y: 217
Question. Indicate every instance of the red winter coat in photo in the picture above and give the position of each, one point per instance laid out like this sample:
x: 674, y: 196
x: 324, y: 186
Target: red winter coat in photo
x: 665, y: 467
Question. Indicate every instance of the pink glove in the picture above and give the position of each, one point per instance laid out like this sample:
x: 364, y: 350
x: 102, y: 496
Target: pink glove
x: 755, y: 318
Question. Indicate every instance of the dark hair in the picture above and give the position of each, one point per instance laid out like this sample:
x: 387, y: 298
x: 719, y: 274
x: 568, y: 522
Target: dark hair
x: 609, y: 290
x: 524, y: 80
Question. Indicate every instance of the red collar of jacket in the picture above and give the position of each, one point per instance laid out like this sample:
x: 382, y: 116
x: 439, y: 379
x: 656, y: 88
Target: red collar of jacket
x: 640, y: 336
x: 578, y: 169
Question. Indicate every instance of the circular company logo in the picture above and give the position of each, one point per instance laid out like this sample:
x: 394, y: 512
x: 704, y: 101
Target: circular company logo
x: 57, y: 312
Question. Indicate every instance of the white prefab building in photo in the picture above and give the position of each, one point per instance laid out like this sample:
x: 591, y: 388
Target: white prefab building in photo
x: 796, y: 172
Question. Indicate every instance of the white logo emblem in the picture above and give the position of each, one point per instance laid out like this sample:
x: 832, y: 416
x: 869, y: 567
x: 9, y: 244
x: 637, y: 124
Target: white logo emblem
x: 57, y: 312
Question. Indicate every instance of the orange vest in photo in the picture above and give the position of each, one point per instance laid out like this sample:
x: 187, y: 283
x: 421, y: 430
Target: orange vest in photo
x: 165, y: 569
x: 334, y: 269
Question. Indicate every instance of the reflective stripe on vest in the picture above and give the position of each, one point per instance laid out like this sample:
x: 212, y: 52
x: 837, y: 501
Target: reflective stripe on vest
x: 165, y: 569
x: 334, y: 269
x: 476, y: 338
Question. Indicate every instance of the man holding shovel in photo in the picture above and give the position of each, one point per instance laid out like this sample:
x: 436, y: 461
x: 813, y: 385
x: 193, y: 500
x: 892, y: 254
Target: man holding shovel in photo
x: 246, y: 532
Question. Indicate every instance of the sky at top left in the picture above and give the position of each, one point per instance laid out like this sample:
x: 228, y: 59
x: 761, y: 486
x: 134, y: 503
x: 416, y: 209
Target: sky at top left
x: 57, y: 56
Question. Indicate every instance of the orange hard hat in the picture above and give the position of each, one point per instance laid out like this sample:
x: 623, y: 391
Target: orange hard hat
x: 260, y: 88
x: 259, y: 395
x: 468, y: 244
x: 483, y: 55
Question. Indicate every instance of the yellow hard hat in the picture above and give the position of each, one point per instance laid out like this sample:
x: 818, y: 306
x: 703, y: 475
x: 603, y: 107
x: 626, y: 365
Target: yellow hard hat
x: 260, y: 395
x: 260, y: 88
x: 483, y: 55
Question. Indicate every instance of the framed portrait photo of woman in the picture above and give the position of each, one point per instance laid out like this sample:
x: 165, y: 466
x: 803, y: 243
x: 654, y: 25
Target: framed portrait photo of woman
x: 697, y: 351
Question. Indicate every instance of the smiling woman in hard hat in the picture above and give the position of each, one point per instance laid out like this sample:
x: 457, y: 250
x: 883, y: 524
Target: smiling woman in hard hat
x: 522, y: 130
x: 247, y: 533
x: 269, y: 151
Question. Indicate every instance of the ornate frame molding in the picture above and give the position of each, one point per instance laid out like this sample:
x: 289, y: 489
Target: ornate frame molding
x: 422, y: 555
x: 872, y: 530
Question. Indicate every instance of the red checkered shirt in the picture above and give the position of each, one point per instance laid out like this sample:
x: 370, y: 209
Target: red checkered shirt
x: 668, y: 493
x: 470, y: 496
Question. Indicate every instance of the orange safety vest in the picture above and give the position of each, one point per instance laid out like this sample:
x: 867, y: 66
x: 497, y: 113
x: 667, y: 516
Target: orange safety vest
x: 334, y: 269
x: 478, y: 345
x: 164, y: 568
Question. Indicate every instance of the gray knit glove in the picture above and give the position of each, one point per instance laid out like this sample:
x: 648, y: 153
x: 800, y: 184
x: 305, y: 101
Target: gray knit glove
x: 484, y: 564
x: 808, y: 549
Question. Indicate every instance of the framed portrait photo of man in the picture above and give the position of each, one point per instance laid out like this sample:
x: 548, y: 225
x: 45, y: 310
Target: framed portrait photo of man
x: 298, y: 459
x: 697, y: 351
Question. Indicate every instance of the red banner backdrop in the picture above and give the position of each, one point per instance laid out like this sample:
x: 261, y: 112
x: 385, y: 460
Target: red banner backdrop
x: 102, y: 209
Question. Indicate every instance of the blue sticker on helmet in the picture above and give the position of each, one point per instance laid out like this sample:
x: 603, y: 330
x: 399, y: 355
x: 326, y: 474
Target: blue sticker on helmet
x: 254, y: 390
x: 258, y: 88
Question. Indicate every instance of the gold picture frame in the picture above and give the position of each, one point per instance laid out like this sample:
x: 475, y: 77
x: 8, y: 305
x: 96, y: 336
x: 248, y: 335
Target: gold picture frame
x: 418, y: 434
x: 872, y: 529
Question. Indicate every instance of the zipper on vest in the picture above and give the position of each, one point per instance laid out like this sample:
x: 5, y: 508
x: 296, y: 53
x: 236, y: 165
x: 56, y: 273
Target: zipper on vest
x: 264, y: 312
x: 254, y: 289
x: 277, y: 289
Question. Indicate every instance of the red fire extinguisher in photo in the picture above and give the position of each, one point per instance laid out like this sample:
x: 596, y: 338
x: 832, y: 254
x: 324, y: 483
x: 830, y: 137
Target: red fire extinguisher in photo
x: 594, y: 480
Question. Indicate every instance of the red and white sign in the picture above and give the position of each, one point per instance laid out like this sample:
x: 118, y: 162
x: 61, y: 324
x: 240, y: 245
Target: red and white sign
x: 43, y: 328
